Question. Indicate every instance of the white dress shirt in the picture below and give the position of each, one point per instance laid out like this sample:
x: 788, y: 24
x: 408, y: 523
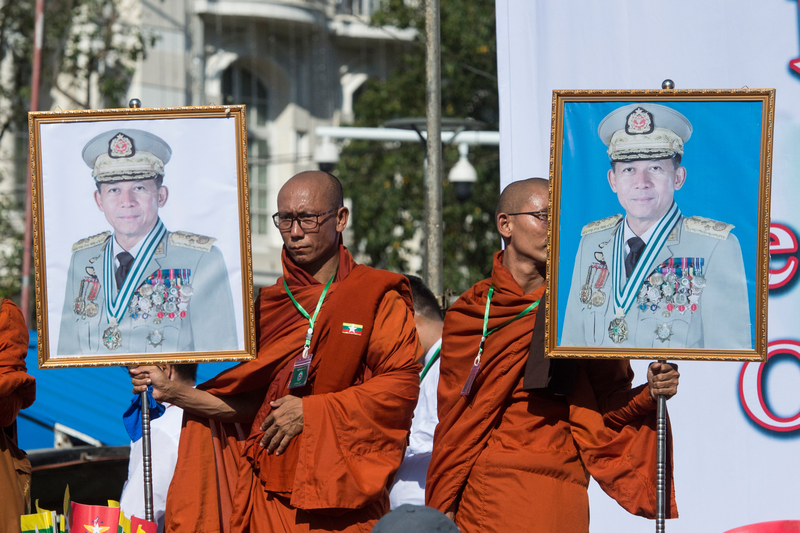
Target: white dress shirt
x: 165, y: 432
x: 409, y: 483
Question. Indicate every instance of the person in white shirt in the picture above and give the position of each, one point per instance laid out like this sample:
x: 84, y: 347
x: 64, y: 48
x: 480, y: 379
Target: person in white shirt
x: 165, y: 432
x: 409, y: 483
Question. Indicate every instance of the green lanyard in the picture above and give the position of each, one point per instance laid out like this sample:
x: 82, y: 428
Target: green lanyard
x: 311, y: 319
x: 476, y: 365
x: 429, y: 364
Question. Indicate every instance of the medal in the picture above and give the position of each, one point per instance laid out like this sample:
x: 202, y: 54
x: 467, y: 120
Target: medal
x: 79, y: 306
x: 146, y: 290
x: 155, y: 338
x: 112, y: 338
x: 618, y: 330
x: 117, y: 305
x: 598, y: 298
x: 586, y: 289
x: 663, y: 332
x: 92, y: 309
x: 656, y: 279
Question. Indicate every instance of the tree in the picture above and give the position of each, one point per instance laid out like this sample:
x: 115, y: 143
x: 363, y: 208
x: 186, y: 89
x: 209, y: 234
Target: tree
x: 90, y: 50
x: 386, y: 182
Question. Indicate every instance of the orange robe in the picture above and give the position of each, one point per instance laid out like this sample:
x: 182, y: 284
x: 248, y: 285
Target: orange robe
x: 357, y: 409
x: 520, y: 461
x: 17, y: 391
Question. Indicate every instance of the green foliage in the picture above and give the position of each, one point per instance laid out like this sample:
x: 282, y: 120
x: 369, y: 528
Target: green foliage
x: 10, y: 248
x: 385, y: 181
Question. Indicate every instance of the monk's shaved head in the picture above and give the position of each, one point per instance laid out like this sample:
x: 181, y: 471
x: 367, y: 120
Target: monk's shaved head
x: 311, y: 218
x: 320, y: 183
x: 517, y: 194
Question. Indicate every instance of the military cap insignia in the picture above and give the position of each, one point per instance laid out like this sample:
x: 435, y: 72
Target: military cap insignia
x: 191, y: 240
x: 599, y: 225
x: 708, y: 227
x: 639, y: 122
x: 120, y: 146
x: 88, y: 242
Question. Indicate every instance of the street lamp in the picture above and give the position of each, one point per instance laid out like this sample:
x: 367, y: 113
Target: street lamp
x: 326, y: 155
x: 433, y: 263
x: 463, y: 174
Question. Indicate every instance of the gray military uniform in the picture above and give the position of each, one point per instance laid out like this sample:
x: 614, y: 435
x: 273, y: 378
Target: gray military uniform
x: 721, y: 319
x: 208, y: 323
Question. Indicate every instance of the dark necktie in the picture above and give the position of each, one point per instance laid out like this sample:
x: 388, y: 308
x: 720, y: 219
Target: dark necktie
x: 125, y: 261
x: 636, y: 245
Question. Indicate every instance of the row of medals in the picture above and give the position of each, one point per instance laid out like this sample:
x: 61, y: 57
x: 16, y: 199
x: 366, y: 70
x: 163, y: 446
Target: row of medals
x: 678, y: 288
x: 162, y: 298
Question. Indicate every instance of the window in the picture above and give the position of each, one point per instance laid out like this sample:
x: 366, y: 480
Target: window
x: 240, y: 86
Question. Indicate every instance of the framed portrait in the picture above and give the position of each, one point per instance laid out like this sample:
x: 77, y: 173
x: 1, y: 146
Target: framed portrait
x: 659, y: 224
x: 141, y: 236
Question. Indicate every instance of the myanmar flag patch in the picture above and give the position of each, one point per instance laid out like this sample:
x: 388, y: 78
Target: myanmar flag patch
x: 352, y: 329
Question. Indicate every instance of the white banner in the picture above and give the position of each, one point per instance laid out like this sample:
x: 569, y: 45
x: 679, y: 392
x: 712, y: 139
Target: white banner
x: 736, y: 426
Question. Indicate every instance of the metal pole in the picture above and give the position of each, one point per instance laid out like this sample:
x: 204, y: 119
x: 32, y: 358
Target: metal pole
x: 661, y: 433
x: 147, y: 456
x: 661, y: 466
x: 38, y: 38
x: 147, y: 459
x: 434, y: 263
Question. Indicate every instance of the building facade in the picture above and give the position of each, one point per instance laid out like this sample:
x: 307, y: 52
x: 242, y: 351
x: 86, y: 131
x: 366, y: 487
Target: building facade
x: 295, y: 64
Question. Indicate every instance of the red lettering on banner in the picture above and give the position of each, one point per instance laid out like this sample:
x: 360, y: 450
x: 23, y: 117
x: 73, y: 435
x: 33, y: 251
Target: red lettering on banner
x: 751, y: 392
x: 782, y: 240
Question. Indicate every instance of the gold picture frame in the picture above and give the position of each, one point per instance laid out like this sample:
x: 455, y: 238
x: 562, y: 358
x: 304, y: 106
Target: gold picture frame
x: 704, y: 303
x: 189, y: 297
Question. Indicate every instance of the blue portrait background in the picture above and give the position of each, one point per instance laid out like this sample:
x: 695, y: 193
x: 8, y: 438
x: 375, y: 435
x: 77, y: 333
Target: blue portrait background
x: 722, y: 160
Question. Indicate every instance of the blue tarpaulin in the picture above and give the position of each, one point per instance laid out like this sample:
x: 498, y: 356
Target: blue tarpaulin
x: 89, y: 401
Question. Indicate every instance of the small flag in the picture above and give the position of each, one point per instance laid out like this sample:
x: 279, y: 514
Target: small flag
x: 352, y: 329
x: 139, y: 525
x: 43, y: 522
x: 94, y: 519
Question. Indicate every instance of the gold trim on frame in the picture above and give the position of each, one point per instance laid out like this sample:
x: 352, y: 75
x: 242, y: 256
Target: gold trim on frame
x: 235, y: 112
x: 759, y: 352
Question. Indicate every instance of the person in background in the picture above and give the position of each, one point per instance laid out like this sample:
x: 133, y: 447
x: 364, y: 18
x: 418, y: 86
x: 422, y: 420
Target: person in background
x: 409, y: 482
x: 165, y: 433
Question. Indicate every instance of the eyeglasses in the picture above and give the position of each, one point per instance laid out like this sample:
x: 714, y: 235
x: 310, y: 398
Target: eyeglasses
x: 284, y: 221
x: 544, y: 216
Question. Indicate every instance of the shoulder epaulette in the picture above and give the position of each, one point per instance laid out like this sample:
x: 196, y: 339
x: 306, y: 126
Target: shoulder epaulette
x: 88, y: 242
x: 599, y: 225
x: 708, y: 227
x: 191, y: 240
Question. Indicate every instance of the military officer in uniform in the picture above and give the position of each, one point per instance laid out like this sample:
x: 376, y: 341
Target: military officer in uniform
x: 141, y: 288
x: 654, y: 278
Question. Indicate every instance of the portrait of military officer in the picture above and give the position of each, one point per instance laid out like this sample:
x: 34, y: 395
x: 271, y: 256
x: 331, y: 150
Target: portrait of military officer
x: 138, y: 287
x: 654, y: 277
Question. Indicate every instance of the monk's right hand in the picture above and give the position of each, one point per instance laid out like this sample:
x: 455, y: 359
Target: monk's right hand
x: 144, y: 376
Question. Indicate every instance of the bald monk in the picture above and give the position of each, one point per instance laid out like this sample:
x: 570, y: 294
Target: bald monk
x: 510, y: 459
x: 308, y: 436
x: 17, y: 391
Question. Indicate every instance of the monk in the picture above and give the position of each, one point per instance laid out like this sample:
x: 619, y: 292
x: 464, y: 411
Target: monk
x: 308, y: 436
x: 17, y: 391
x: 510, y: 459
